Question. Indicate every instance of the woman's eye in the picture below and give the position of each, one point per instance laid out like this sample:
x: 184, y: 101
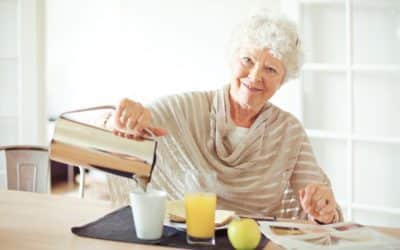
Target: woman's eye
x: 246, y: 60
x: 269, y: 69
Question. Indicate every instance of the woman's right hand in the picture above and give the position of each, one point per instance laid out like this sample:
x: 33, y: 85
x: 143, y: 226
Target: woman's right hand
x: 131, y: 120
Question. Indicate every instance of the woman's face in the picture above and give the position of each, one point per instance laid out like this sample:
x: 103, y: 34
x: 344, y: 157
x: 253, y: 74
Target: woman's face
x: 256, y: 76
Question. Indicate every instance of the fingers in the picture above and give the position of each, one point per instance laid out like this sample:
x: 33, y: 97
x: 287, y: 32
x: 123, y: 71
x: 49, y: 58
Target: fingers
x: 131, y: 119
x: 327, y: 218
x: 308, y: 197
x: 130, y: 115
x: 318, y: 201
x: 117, y: 117
x: 159, y: 131
x: 134, y: 113
x: 327, y: 209
x: 143, y: 122
x: 321, y: 203
x: 127, y: 117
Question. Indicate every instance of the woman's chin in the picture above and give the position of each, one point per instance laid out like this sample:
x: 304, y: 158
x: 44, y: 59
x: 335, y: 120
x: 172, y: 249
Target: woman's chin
x: 249, y: 101
x: 245, y: 102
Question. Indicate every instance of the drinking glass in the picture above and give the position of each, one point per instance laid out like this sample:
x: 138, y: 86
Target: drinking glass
x: 148, y: 210
x: 200, y: 205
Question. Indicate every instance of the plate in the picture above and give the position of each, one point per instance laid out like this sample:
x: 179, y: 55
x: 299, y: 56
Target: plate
x: 182, y: 226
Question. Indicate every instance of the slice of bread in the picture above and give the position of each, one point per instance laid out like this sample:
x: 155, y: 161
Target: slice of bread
x: 176, y: 213
x: 223, y: 217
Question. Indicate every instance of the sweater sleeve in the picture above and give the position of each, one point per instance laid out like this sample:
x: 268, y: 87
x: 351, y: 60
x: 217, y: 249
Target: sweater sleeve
x: 179, y: 108
x: 307, y: 171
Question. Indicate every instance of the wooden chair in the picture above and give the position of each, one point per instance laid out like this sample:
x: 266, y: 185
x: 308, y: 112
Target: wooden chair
x: 25, y: 168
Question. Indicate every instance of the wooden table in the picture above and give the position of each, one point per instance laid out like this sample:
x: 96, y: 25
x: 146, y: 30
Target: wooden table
x: 42, y: 221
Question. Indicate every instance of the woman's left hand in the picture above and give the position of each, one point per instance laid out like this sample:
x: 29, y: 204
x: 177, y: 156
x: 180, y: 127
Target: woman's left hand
x: 319, y: 202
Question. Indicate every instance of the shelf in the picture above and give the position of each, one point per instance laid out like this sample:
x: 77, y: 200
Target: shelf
x: 336, y: 2
x: 373, y: 4
x: 8, y: 116
x: 372, y: 67
x: 11, y: 58
x: 313, y: 133
x: 388, y: 210
x: 344, y: 205
x: 321, y: 134
x: 363, y: 3
x: 325, y: 67
x: 376, y: 139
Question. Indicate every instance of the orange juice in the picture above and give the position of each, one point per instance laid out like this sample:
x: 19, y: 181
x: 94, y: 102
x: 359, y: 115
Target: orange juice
x: 200, y: 214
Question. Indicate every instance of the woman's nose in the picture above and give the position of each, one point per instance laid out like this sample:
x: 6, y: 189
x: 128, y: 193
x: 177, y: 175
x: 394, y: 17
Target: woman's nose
x: 255, y: 73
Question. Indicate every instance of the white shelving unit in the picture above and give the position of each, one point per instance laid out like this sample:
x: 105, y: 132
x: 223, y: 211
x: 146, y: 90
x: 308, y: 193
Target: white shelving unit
x: 342, y: 68
x: 348, y: 102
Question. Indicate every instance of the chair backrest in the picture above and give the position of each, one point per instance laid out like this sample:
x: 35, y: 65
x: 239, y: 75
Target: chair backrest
x: 25, y: 168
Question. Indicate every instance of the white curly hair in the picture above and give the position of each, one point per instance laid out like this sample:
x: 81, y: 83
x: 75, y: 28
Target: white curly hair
x: 275, y: 32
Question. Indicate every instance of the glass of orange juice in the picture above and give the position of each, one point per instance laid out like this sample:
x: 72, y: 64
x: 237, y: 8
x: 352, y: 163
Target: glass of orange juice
x: 200, y: 205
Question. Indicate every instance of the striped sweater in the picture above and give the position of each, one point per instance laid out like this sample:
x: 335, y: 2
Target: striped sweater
x: 255, y: 177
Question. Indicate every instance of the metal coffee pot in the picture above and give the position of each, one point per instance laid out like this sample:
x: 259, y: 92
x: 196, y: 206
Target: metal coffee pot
x: 81, y: 139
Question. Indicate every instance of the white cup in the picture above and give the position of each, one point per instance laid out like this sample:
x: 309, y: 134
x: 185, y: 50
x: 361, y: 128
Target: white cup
x: 148, y: 209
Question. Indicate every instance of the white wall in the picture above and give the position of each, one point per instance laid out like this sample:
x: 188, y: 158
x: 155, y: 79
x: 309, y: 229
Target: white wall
x: 8, y: 72
x: 31, y: 73
x: 22, y: 102
x: 99, y: 51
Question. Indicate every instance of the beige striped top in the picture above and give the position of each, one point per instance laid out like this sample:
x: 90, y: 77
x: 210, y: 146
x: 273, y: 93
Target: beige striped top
x: 252, y: 176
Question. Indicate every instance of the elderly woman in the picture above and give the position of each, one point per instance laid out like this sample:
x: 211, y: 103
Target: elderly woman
x: 255, y: 148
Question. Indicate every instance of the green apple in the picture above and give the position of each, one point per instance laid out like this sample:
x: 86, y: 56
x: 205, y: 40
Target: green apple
x: 244, y: 234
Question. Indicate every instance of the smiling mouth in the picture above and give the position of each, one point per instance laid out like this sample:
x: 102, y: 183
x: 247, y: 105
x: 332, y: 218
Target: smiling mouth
x: 251, y: 88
